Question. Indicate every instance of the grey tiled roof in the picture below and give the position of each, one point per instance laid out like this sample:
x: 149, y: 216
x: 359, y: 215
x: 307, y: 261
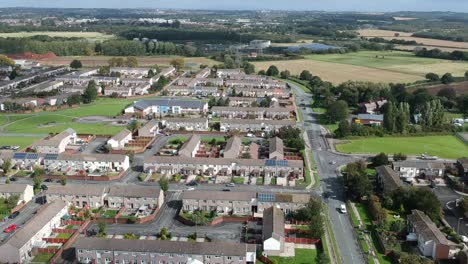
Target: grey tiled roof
x: 134, y: 191
x: 273, y: 222
x: 390, y: 178
x: 426, y: 228
x: 161, y: 246
x: 193, y: 104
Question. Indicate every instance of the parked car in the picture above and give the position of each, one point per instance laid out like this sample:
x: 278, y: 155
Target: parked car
x: 149, y: 147
x: 10, y: 228
x: 192, y: 183
x: 190, y: 189
x: 231, y: 185
x: 14, y: 214
x: 343, y: 208
x: 48, y: 180
x: 226, y: 190
x: 44, y: 187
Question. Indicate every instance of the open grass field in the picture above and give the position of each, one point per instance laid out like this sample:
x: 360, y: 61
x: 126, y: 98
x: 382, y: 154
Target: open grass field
x: 448, y: 147
x: 389, y: 35
x: 303, y: 256
x: 338, y: 72
x: 95, y: 61
x: 395, y: 61
x: 92, y: 36
x: 57, y: 121
x: 413, y: 47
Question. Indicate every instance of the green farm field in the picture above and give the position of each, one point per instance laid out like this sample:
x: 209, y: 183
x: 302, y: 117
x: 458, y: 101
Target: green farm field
x: 23, y: 142
x: 91, y: 36
x: 448, y: 147
x: 373, y: 66
x: 57, y: 121
x: 397, y: 61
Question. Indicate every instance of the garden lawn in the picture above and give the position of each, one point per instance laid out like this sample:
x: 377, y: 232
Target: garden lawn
x: 17, y: 141
x: 64, y: 235
x: 43, y: 257
x: 448, y: 147
x: 238, y: 180
x: 110, y: 213
x: 303, y: 256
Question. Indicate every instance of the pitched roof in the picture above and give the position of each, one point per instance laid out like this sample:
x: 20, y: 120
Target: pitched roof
x: 276, y: 144
x: 43, y: 217
x: 150, y: 124
x: 189, y: 145
x: 273, y: 223
x: 219, y: 195
x: 259, y: 122
x: 390, y: 178
x: 185, y: 120
x: 55, y: 140
x: 162, y: 246
x: 233, y: 145
x: 426, y: 228
x: 221, y: 161
x: 13, y: 188
x: 134, y: 191
x: 92, y: 157
x: 420, y: 164
x: 251, y: 109
x: 169, y: 102
x: 89, y: 190
x: 121, y: 135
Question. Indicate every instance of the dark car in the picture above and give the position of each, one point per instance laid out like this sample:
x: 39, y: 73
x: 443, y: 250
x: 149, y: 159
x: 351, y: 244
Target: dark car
x: 226, y: 190
x: 149, y: 147
x: 192, y: 183
x: 48, y: 180
x: 13, y: 179
x: 14, y: 214
x: 44, y: 187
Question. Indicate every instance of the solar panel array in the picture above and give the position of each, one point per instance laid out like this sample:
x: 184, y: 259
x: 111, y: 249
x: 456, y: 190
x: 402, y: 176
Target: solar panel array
x: 32, y: 156
x: 266, y: 197
x: 19, y: 155
x: 279, y: 163
x: 51, y: 156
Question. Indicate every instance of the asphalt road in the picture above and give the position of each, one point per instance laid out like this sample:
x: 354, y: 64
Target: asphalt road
x: 331, y: 188
x: 25, y: 215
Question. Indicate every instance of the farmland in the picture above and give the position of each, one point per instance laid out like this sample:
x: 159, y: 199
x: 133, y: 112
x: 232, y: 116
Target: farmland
x: 337, y: 72
x: 91, y: 36
x: 448, y: 147
x: 460, y: 88
x: 395, y: 61
x: 389, y: 35
x: 94, y: 61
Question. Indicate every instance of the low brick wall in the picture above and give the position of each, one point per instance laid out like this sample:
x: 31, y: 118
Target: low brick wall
x: 297, y: 240
x: 70, y: 241
x: 54, y: 240
x: 72, y: 222
x: 63, y: 231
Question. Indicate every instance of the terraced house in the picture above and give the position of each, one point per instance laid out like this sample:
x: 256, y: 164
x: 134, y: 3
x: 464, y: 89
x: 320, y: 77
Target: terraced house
x: 258, y: 113
x: 282, y: 170
x: 162, y: 107
x: 189, y: 124
x: 242, y: 203
x: 252, y: 125
x: 108, y: 250
x: 57, y: 143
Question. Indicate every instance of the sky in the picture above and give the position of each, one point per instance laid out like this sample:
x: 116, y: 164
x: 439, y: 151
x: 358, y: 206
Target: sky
x: 326, y: 5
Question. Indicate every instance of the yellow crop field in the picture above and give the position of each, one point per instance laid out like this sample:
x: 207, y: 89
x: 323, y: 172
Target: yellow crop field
x: 338, y: 73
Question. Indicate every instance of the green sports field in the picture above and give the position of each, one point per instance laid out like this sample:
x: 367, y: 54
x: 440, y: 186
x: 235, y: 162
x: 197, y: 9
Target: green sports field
x: 448, y: 147
x: 57, y: 121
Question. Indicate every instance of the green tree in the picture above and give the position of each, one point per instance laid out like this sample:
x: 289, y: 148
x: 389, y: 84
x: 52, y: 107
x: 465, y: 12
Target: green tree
x: 357, y: 182
x: 63, y: 181
x: 337, y: 111
x: 447, y: 78
x: 272, y: 71
x: 131, y: 62
x: 380, y: 159
x: 5, y: 61
x: 261, y: 72
x: 249, y: 68
x: 343, y: 130
x: 116, y: 62
x: 433, y: 114
x: 466, y: 75
x: 133, y: 126
x: 178, y: 63
x: 90, y: 93
x: 305, y: 75
x: 390, y: 117
x: 7, y: 181
x: 74, y: 99
x: 164, y: 184
x: 399, y: 156
x: 285, y: 74
x: 102, y: 226
x: 462, y: 105
x: 402, y: 118
x: 76, y: 64
x: 6, y: 166
x: 432, y: 77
